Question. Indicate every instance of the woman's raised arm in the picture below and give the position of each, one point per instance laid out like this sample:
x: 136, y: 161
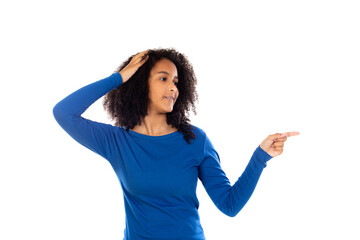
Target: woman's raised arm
x: 96, y: 136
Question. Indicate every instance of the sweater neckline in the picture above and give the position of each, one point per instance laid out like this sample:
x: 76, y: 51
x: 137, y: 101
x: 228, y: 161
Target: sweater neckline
x: 161, y: 137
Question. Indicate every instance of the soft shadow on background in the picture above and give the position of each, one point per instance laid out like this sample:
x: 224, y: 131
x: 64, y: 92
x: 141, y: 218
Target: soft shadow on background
x: 262, y: 66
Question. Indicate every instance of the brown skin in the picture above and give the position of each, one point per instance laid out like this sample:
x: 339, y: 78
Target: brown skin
x: 274, y: 144
x: 164, y: 84
x: 161, y: 85
x: 134, y: 65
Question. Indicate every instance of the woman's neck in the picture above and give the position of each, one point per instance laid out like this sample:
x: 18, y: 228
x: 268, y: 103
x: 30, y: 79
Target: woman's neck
x: 154, y: 125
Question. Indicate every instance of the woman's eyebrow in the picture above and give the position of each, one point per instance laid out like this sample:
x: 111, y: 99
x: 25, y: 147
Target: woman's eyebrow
x: 167, y: 74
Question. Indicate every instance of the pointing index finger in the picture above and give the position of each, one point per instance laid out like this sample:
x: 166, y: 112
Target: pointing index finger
x: 290, y: 134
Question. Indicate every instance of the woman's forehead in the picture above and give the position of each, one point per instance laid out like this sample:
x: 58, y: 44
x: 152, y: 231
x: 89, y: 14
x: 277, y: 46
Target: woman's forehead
x: 164, y: 65
x: 164, y: 62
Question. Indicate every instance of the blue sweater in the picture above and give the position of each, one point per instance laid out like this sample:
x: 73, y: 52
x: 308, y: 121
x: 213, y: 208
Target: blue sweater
x: 158, y: 174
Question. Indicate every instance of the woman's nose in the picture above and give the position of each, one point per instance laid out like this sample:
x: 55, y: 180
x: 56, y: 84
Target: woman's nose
x: 173, y: 87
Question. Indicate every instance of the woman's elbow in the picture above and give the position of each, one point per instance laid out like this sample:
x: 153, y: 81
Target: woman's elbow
x: 61, y: 116
x: 230, y: 212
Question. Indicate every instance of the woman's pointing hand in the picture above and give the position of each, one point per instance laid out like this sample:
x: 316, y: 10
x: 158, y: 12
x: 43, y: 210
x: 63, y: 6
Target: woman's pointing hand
x: 274, y: 144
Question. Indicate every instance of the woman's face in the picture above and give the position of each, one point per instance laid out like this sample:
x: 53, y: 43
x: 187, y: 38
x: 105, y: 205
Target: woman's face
x: 163, y: 92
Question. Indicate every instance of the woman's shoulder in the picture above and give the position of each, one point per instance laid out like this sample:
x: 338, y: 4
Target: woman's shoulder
x: 197, y: 130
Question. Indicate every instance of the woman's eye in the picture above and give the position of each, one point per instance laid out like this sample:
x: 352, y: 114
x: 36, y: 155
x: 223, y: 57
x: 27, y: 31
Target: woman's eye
x: 164, y: 79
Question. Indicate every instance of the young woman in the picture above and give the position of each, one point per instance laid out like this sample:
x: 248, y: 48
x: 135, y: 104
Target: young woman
x: 156, y: 153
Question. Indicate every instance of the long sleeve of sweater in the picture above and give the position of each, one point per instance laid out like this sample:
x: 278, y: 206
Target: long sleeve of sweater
x: 96, y: 136
x: 230, y: 199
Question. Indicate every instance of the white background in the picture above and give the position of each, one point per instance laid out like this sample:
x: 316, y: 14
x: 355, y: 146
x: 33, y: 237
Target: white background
x: 262, y: 66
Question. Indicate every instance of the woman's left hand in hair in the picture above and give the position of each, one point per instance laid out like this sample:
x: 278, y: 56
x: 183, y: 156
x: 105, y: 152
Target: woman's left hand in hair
x: 274, y: 144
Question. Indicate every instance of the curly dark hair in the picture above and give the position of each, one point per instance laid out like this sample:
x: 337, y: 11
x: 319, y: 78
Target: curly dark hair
x: 127, y: 104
